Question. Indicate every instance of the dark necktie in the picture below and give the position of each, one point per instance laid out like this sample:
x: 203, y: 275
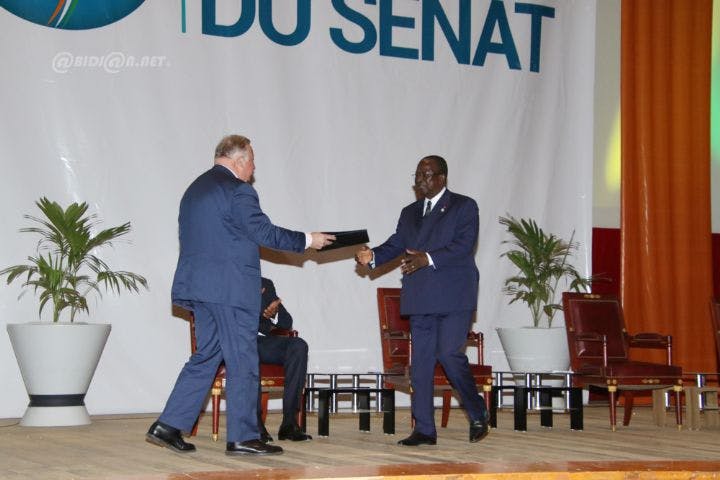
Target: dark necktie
x: 427, y: 208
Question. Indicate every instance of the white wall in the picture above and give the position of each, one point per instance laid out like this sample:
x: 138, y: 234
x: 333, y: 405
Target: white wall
x: 336, y: 137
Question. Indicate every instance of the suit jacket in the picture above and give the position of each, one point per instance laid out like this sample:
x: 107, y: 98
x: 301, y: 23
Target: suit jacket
x: 449, y: 234
x: 269, y: 295
x: 221, y: 227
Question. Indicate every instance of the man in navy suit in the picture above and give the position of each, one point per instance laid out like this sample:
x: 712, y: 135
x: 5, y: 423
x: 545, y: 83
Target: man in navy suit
x: 437, y: 236
x: 291, y: 353
x: 221, y: 229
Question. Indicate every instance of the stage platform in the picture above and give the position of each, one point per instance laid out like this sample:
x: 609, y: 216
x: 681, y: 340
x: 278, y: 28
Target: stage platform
x: 113, y: 447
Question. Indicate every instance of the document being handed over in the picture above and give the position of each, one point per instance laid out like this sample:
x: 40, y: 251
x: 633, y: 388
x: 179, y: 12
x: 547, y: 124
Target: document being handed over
x: 347, y: 239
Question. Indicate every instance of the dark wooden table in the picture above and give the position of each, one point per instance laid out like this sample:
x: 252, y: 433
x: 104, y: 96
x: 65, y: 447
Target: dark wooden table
x: 325, y: 394
x: 520, y: 405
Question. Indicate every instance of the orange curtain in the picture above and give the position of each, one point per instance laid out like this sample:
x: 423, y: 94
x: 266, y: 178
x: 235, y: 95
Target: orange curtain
x: 666, y: 278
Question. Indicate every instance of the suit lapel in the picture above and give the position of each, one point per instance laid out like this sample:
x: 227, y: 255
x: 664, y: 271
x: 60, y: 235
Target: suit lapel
x: 418, y: 214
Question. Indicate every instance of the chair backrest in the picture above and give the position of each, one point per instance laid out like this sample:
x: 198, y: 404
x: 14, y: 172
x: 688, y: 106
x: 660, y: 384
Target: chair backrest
x: 394, y: 331
x: 591, y: 316
x: 187, y: 315
x: 715, y: 314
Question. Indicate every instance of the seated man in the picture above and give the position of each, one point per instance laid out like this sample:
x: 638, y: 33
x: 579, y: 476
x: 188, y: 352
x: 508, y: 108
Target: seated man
x: 291, y: 353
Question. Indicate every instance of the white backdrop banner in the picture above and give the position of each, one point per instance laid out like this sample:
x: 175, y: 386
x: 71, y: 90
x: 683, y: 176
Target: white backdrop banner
x: 122, y: 107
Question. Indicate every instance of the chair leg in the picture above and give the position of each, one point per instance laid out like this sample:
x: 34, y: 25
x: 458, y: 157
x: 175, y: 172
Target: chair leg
x: 678, y: 406
x: 612, y: 392
x: 447, y: 398
x: 215, y: 393
x: 629, y: 401
x: 264, y: 397
x: 299, y: 417
x: 194, y: 430
x: 488, y: 394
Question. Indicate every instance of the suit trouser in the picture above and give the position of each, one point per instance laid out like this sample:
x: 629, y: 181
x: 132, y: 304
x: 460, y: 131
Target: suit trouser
x: 292, y: 354
x: 441, y: 338
x: 225, y: 333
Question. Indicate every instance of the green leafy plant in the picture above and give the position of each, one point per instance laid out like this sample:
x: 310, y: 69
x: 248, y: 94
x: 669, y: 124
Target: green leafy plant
x: 542, y: 261
x: 64, y: 269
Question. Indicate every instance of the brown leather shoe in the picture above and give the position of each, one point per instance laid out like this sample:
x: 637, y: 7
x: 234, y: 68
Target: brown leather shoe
x: 417, y: 438
x: 252, y: 447
x: 166, y: 436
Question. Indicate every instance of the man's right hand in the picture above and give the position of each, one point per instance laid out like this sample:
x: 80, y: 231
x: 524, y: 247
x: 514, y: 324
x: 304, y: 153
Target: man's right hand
x: 320, y: 240
x: 271, y: 310
x: 364, y: 256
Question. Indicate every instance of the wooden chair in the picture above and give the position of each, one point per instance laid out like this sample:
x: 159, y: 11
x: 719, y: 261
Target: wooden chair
x: 599, y: 346
x: 397, y: 348
x: 272, y: 377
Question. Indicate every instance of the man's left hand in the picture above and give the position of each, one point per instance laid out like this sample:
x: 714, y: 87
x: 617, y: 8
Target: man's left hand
x: 413, y: 261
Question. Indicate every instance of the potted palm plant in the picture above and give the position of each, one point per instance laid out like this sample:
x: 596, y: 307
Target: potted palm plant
x: 542, y: 263
x: 58, y: 359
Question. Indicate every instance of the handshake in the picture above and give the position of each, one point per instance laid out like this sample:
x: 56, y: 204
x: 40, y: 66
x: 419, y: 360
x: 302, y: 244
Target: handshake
x: 411, y: 262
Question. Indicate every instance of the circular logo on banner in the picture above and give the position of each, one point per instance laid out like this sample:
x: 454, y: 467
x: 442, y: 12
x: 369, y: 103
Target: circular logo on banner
x: 72, y: 14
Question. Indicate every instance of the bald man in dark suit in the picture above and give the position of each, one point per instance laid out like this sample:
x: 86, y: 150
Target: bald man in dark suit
x: 437, y: 236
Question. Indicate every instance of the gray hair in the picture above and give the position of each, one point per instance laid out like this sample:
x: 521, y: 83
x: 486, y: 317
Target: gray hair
x: 231, y: 145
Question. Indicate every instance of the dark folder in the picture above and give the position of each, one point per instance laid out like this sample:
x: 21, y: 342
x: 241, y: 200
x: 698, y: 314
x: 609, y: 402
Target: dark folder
x: 347, y: 238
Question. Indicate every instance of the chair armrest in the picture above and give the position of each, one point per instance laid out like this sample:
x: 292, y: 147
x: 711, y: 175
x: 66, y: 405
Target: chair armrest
x: 589, y: 337
x: 398, y: 335
x: 477, y: 340
x: 648, y: 340
x: 594, y: 337
x: 283, y: 332
x: 652, y: 340
x: 475, y: 336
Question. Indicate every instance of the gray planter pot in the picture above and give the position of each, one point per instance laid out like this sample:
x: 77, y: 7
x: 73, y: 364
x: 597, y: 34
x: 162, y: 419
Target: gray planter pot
x: 57, y: 362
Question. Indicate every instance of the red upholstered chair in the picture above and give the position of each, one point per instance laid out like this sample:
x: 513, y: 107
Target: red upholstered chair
x: 397, y: 347
x: 599, y: 348
x: 272, y: 377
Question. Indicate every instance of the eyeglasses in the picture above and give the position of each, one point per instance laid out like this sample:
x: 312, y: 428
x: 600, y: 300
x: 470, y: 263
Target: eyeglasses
x: 426, y: 175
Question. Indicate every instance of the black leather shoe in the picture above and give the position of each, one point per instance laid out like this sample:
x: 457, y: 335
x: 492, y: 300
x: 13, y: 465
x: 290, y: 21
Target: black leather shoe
x: 478, y: 430
x: 417, y: 438
x: 265, y: 436
x: 252, y: 447
x: 293, y: 432
x: 169, y: 437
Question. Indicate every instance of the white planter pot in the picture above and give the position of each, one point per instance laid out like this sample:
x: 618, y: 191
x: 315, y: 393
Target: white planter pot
x: 531, y: 349
x: 57, y: 362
